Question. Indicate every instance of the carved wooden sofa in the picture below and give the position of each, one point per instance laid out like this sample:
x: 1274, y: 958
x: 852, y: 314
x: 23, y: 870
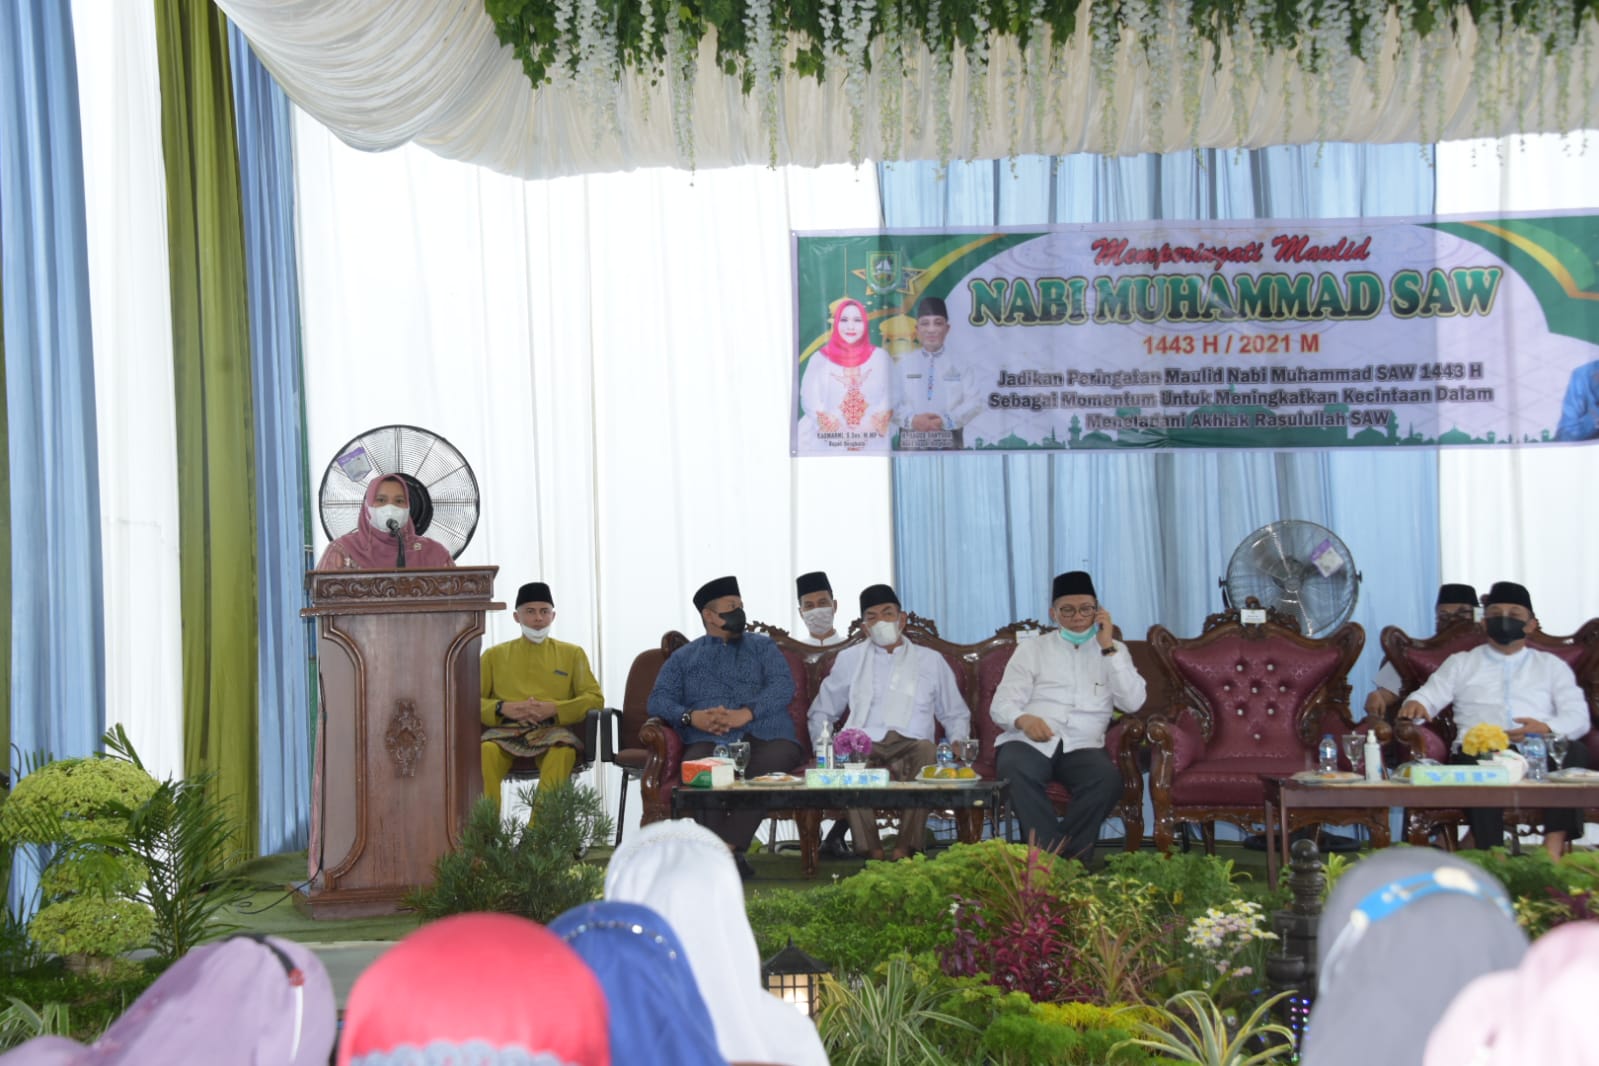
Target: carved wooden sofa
x: 978, y: 669
x: 1248, y: 699
x: 1415, y: 659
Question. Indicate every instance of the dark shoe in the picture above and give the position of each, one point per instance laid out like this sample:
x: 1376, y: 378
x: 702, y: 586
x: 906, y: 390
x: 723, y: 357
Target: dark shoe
x: 836, y: 849
x: 745, y: 870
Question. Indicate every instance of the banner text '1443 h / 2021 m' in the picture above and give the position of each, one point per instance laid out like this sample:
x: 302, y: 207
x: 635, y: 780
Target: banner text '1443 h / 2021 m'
x: 1257, y: 334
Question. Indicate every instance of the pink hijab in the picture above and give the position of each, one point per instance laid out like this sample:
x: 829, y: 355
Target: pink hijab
x: 841, y: 351
x: 1530, y: 1015
x: 370, y: 548
x: 472, y: 985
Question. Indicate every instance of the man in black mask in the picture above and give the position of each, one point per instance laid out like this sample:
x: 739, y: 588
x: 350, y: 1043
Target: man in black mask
x: 729, y: 685
x: 1520, y: 689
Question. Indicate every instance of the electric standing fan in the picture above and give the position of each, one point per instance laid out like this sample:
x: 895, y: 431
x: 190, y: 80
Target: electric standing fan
x: 439, y: 484
x: 1298, y: 568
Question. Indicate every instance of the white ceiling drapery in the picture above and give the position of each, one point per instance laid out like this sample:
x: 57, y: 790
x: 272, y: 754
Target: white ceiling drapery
x: 381, y: 73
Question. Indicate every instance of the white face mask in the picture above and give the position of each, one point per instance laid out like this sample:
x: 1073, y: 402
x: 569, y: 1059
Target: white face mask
x: 883, y: 633
x: 381, y: 516
x: 535, y: 635
x: 819, y: 620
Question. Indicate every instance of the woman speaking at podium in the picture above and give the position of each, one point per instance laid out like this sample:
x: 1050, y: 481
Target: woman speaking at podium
x: 385, y: 537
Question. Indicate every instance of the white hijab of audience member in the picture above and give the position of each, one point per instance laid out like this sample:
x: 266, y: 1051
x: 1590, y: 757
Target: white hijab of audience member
x: 686, y: 874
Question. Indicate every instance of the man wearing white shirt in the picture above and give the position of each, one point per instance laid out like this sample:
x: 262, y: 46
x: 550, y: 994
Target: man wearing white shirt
x: 1520, y: 689
x: 894, y: 690
x: 1054, y: 704
x: 937, y: 390
x: 1456, y: 603
x: 816, y: 608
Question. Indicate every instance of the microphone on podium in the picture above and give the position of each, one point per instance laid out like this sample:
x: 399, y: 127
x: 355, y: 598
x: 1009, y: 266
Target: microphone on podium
x: 394, y: 531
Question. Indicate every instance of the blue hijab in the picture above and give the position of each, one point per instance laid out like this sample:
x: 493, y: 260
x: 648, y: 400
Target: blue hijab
x: 657, y: 1014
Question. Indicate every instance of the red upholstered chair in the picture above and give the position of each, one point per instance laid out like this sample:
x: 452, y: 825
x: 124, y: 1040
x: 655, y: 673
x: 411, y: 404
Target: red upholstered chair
x: 1249, y: 699
x: 1123, y: 741
x: 1417, y: 659
x: 621, y: 743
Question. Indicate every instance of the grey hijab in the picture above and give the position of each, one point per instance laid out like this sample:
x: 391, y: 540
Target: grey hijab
x: 1403, y: 932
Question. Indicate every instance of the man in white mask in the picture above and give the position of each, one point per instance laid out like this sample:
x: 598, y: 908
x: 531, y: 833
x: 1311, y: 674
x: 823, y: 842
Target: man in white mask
x: 534, y: 689
x: 1054, y: 704
x: 817, y: 608
x: 894, y: 691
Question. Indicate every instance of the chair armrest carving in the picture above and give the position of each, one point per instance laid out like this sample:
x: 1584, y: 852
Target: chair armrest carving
x: 661, y: 766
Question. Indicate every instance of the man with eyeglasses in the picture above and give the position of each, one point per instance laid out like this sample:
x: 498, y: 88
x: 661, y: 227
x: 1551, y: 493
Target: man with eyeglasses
x: 1054, y: 705
x: 1520, y: 689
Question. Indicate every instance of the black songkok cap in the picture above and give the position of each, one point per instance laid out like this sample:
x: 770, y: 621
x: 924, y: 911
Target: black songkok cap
x: 876, y: 596
x: 815, y: 581
x: 534, y: 592
x: 1462, y: 594
x: 715, y: 590
x: 1508, y: 592
x: 1072, y: 583
x: 932, y: 305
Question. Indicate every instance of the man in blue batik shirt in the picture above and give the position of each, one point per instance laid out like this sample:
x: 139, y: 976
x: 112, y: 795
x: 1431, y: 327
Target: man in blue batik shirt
x: 729, y: 685
x: 1579, y: 415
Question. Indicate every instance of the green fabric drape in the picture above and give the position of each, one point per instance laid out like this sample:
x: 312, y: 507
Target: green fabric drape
x: 211, y: 354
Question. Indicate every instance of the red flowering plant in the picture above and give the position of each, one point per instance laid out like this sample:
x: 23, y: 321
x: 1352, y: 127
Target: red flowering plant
x: 852, y: 745
x: 1019, y: 938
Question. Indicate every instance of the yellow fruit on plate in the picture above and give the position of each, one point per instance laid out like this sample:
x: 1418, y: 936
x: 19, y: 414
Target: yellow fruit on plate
x: 944, y: 772
x: 966, y: 773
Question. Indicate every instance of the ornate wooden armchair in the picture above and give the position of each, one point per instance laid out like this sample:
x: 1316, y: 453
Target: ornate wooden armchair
x: 1416, y: 659
x: 1248, y: 700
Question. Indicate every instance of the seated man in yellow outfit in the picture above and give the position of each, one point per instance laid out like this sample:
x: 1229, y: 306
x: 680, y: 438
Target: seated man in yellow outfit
x: 535, y: 690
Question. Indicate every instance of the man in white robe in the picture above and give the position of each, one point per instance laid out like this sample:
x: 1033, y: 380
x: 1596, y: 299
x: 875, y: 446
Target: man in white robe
x: 936, y: 389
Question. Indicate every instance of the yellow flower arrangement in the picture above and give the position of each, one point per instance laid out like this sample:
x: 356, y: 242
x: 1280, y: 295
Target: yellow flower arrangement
x: 1484, y: 738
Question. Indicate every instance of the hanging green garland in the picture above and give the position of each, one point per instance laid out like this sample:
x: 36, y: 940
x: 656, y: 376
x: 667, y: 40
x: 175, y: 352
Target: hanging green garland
x: 589, y: 45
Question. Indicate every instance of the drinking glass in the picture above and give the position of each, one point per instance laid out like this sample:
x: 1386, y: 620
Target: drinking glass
x: 721, y: 752
x: 966, y: 751
x: 1558, y: 743
x: 1355, y: 751
x: 740, y: 752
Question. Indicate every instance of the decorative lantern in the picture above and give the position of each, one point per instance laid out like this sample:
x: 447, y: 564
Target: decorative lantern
x: 794, y: 977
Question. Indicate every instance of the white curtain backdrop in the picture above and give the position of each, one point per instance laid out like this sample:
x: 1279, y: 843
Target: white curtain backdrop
x: 382, y: 73
x: 612, y: 354
x: 125, y: 192
x: 1509, y: 513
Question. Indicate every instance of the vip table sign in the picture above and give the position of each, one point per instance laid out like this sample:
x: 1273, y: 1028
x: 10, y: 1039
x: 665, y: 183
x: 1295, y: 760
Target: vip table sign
x: 1319, y: 333
x: 969, y: 799
x: 1285, y: 795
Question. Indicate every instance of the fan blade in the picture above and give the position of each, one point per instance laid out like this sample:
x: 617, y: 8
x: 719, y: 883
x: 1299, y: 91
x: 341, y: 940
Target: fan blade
x: 1271, y: 557
x: 1291, y: 604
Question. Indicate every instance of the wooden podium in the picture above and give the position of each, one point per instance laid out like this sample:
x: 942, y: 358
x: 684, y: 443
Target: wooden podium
x: 397, y: 766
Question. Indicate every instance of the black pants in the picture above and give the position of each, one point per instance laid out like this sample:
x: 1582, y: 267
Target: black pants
x: 1488, y: 823
x: 766, y: 757
x: 1087, y: 774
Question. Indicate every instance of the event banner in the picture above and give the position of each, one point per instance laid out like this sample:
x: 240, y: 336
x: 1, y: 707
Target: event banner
x: 1255, y: 334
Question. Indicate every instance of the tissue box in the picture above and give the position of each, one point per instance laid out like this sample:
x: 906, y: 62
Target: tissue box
x: 1493, y: 773
x: 843, y: 777
x: 709, y: 772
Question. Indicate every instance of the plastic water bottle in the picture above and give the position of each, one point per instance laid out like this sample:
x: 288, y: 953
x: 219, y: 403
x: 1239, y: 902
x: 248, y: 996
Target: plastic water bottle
x: 1327, y: 755
x: 824, y: 747
x: 1373, y: 756
x: 944, y: 754
x: 1537, y: 753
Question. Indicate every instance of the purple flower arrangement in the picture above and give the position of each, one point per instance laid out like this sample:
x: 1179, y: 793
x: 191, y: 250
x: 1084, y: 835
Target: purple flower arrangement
x: 852, y: 745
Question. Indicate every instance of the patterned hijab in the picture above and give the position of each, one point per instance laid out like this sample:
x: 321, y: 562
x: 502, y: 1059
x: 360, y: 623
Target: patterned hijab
x: 648, y: 984
x: 685, y: 873
x: 841, y: 351
x: 490, y: 989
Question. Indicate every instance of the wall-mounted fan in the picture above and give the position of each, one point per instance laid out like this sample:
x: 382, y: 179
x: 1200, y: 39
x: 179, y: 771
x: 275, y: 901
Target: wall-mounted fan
x: 441, y: 487
x: 1298, y: 568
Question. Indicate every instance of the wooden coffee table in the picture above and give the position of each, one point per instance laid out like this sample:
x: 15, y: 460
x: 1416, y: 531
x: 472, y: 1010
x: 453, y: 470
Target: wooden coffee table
x: 970, y: 800
x: 1284, y: 795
